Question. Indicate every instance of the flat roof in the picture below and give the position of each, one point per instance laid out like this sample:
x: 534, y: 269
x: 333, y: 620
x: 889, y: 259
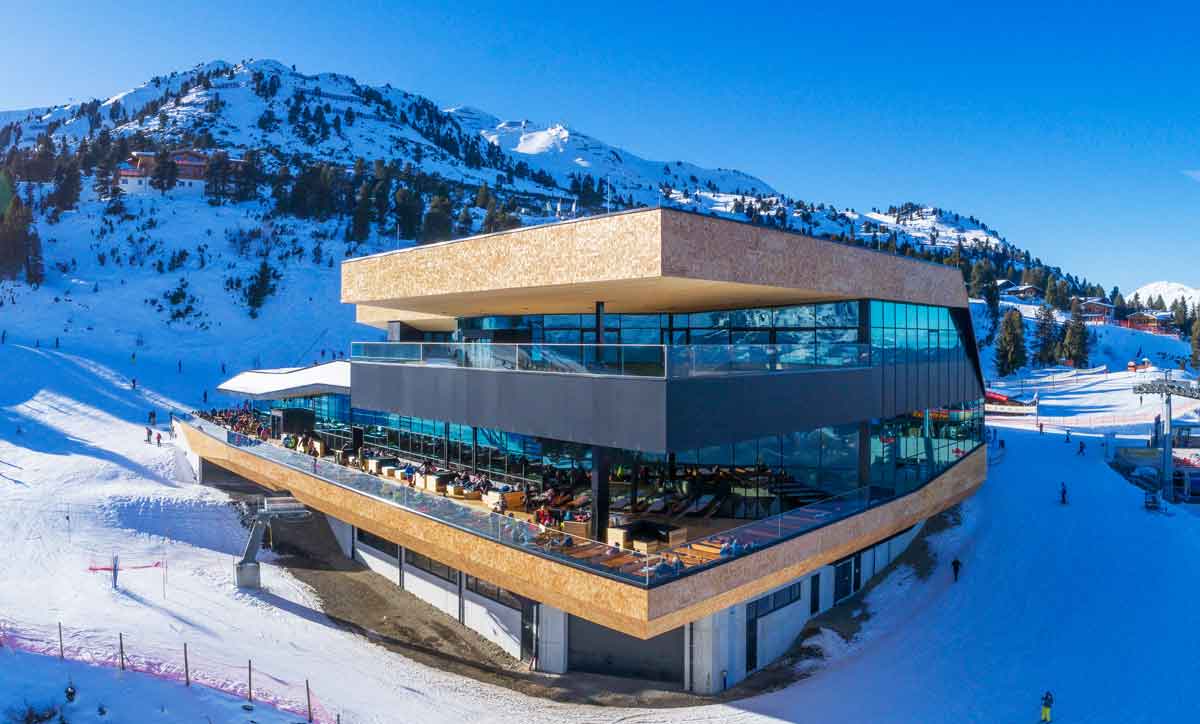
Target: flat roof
x: 330, y: 378
x: 648, y: 260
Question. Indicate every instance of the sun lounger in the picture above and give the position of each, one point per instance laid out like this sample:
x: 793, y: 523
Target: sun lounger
x: 699, y: 505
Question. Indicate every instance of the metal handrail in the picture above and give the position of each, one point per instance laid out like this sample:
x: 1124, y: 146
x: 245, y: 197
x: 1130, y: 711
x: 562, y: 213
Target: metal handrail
x: 622, y: 360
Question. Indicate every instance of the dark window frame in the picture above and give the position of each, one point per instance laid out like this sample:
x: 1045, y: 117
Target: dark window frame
x: 430, y: 566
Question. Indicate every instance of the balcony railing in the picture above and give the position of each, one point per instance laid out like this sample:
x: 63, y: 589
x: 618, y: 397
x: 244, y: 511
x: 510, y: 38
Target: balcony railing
x: 629, y: 566
x: 620, y: 360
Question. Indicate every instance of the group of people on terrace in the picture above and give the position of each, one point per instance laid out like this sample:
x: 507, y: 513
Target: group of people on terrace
x: 238, y: 419
x: 540, y: 517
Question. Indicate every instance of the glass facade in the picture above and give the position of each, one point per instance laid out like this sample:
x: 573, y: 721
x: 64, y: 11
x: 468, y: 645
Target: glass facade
x: 811, y: 326
x: 752, y: 478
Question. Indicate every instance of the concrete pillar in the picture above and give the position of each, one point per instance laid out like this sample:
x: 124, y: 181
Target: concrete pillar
x: 343, y: 533
x: 717, y: 655
x: 1168, y: 461
x: 551, y: 640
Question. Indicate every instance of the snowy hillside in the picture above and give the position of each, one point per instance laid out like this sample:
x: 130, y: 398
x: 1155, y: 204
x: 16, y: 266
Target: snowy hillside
x: 1112, y: 347
x: 170, y: 276
x: 293, y: 118
x: 264, y: 104
x: 1169, y: 291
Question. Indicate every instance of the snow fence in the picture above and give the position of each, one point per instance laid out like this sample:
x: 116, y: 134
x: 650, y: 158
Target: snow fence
x: 187, y: 666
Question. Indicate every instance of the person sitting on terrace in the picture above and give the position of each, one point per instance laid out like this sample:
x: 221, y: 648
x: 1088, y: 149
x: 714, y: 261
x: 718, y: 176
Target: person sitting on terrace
x: 544, y: 516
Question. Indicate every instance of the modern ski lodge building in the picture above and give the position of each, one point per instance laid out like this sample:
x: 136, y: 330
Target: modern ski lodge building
x: 696, y: 434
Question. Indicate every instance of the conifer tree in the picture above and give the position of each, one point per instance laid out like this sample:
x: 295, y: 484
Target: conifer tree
x: 1046, y: 336
x: 261, y: 286
x: 408, y: 209
x: 466, y: 223
x: 14, y: 236
x: 1196, y: 342
x: 482, y: 196
x: 436, y: 225
x: 247, y: 177
x: 1075, y: 338
x: 67, y: 185
x: 166, y: 173
x: 218, y: 177
x: 360, y: 222
x: 1010, y: 344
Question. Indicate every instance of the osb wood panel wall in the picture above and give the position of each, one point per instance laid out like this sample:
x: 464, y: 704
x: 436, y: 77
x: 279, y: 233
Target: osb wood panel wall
x: 694, y: 597
x: 630, y: 609
x: 624, y: 246
x: 703, y: 247
x: 605, y: 601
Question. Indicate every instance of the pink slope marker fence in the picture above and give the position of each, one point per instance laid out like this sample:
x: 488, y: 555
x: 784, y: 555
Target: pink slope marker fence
x: 242, y: 680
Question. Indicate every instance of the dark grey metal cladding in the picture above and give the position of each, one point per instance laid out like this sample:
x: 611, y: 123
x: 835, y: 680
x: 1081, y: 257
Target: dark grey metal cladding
x: 620, y: 412
x: 655, y: 414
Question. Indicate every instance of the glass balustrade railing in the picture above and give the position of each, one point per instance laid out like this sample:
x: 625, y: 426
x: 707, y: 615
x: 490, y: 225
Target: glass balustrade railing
x: 629, y: 566
x: 622, y: 360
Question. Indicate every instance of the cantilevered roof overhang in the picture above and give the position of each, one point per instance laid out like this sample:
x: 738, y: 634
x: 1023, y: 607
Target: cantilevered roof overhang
x: 331, y: 378
x: 648, y: 260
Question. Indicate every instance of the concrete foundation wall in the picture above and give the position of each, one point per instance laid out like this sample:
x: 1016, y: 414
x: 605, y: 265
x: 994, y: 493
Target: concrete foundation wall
x: 494, y: 621
x: 716, y: 656
x: 552, y: 644
x: 437, y: 592
x: 592, y: 647
x: 378, y: 561
x: 343, y: 533
x: 193, y: 460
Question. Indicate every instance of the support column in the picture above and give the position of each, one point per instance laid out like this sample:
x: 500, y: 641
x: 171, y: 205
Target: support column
x: 551, y: 640
x: 1168, y: 461
x: 600, y: 468
x: 474, y: 449
x: 864, y: 454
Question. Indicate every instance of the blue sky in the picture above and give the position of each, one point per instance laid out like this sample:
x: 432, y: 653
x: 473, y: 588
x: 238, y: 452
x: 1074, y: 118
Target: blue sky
x: 1069, y: 129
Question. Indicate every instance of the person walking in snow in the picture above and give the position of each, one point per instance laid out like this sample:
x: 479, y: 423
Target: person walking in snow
x: 1082, y: 447
x: 206, y: 397
x: 133, y: 382
x: 158, y: 439
x: 1062, y: 494
x: 1068, y: 436
x: 956, y: 565
x: 1047, y: 703
x: 147, y: 436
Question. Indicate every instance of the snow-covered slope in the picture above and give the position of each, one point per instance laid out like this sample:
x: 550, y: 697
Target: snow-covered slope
x: 292, y: 118
x: 1111, y: 346
x: 80, y: 451
x: 1170, y: 292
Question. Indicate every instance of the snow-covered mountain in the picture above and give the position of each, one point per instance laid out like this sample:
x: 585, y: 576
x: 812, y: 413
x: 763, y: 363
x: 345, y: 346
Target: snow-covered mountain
x: 213, y: 270
x: 292, y: 118
x: 1169, y: 291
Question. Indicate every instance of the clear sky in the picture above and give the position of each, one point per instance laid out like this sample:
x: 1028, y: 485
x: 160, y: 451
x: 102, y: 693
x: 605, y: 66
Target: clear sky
x: 1070, y: 128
